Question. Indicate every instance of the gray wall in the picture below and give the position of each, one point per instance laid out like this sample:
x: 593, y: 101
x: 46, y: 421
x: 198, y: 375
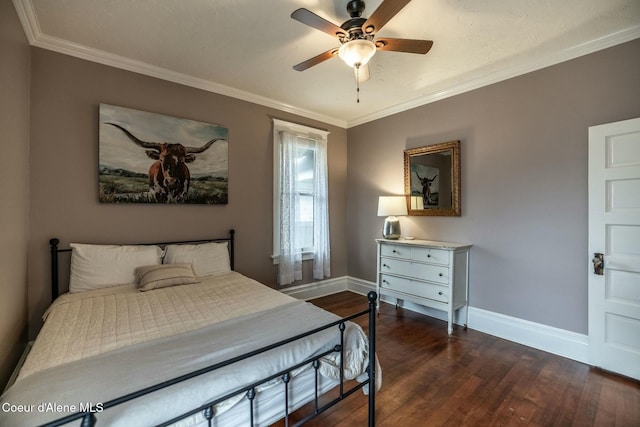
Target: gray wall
x: 524, y: 181
x: 14, y: 188
x: 66, y: 93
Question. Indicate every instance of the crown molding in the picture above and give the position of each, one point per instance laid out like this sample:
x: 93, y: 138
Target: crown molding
x: 27, y: 16
x: 481, y: 78
x: 473, y: 81
x: 36, y: 38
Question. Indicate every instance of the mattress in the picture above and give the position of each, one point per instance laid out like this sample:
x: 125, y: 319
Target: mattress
x: 98, y: 345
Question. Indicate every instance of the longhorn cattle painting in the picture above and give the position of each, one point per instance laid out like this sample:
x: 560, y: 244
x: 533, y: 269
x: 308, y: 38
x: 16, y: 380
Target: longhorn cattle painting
x: 153, y: 158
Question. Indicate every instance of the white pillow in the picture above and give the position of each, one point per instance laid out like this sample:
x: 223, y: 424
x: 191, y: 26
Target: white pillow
x: 207, y: 259
x: 102, y: 266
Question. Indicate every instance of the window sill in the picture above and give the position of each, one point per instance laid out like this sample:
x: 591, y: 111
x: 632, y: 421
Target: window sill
x: 305, y: 257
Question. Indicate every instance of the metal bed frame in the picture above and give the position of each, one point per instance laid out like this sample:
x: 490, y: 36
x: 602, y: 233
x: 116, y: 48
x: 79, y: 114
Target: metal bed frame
x: 89, y: 418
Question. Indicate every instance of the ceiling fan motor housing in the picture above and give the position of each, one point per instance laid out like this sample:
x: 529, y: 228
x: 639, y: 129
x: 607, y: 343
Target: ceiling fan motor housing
x: 353, y: 26
x: 355, y: 8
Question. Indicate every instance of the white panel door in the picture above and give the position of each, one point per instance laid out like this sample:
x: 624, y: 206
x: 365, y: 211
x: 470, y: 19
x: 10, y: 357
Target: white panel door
x: 614, y: 231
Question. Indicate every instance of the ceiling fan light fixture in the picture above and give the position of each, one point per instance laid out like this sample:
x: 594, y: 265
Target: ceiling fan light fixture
x: 356, y: 53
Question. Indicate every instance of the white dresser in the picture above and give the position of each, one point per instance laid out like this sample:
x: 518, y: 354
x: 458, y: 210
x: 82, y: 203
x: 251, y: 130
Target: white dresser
x: 431, y: 273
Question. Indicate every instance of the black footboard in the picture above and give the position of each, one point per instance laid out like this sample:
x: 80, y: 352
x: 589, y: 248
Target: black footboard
x: 92, y: 418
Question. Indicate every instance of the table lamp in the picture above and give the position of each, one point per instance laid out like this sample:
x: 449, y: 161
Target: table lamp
x: 390, y: 206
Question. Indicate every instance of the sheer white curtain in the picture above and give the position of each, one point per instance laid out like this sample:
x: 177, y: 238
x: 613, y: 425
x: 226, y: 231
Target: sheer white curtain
x: 321, y: 256
x: 290, y: 256
x: 301, y: 231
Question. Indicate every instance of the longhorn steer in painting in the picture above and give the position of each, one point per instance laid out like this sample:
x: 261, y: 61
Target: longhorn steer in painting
x: 169, y: 175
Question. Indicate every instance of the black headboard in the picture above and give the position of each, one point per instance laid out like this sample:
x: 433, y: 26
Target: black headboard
x: 55, y: 280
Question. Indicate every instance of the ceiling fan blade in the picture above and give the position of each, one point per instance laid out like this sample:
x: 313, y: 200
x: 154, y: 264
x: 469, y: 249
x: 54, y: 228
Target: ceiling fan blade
x: 316, y: 60
x: 311, y: 19
x: 404, y: 45
x: 387, y: 10
x: 362, y: 73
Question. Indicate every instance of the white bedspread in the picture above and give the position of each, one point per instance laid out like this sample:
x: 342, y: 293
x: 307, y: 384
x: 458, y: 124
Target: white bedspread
x: 99, y: 370
x: 89, y: 323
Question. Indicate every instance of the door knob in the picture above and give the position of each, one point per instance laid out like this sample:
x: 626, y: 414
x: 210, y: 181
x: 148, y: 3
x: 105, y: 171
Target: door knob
x: 598, y: 263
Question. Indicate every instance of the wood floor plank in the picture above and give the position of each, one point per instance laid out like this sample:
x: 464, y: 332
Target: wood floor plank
x: 474, y: 379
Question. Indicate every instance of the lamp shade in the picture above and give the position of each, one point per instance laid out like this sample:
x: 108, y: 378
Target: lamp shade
x: 417, y: 202
x: 357, y: 52
x: 392, y: 205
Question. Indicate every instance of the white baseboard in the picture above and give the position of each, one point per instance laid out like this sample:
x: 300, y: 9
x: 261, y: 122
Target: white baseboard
x: 553, y: 340
x: 318, y: 289
x: 359, y: 286
x: 542, y: 337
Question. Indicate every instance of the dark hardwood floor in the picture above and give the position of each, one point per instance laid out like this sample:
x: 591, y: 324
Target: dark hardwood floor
x: 474, y: 379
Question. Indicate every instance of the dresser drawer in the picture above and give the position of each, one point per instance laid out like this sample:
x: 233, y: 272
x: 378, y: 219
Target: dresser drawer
x: 434, y: 273
x: 435, y: 256
x: 396, y: 251
x: 414, y: 287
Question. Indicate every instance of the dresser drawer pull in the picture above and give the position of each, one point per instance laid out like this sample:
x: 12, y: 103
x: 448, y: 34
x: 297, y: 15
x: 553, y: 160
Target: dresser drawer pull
x: 394, y: 251
x: 440, y: 293
x: 385, y: 265
x: 440, y: 274
x: 428, y: 255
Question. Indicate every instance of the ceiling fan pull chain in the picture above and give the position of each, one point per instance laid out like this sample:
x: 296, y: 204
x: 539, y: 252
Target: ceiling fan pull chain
x: 358, y: 84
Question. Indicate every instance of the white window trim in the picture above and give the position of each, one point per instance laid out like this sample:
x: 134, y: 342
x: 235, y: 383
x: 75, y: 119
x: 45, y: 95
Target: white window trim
x: 303, y: 132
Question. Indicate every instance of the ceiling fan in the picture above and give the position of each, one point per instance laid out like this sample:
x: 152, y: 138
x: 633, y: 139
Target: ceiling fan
x: 357, y: 36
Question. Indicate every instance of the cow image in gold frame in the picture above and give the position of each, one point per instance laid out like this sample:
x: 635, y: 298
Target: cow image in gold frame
x: 432, y: 179
x: 153, y: 158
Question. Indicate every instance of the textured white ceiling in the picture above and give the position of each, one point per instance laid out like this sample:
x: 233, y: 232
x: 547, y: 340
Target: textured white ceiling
x: 246, y: 48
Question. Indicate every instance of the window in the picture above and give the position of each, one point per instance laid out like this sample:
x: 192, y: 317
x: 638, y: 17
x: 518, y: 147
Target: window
x: 300, y: 205
x: 305, y: 169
